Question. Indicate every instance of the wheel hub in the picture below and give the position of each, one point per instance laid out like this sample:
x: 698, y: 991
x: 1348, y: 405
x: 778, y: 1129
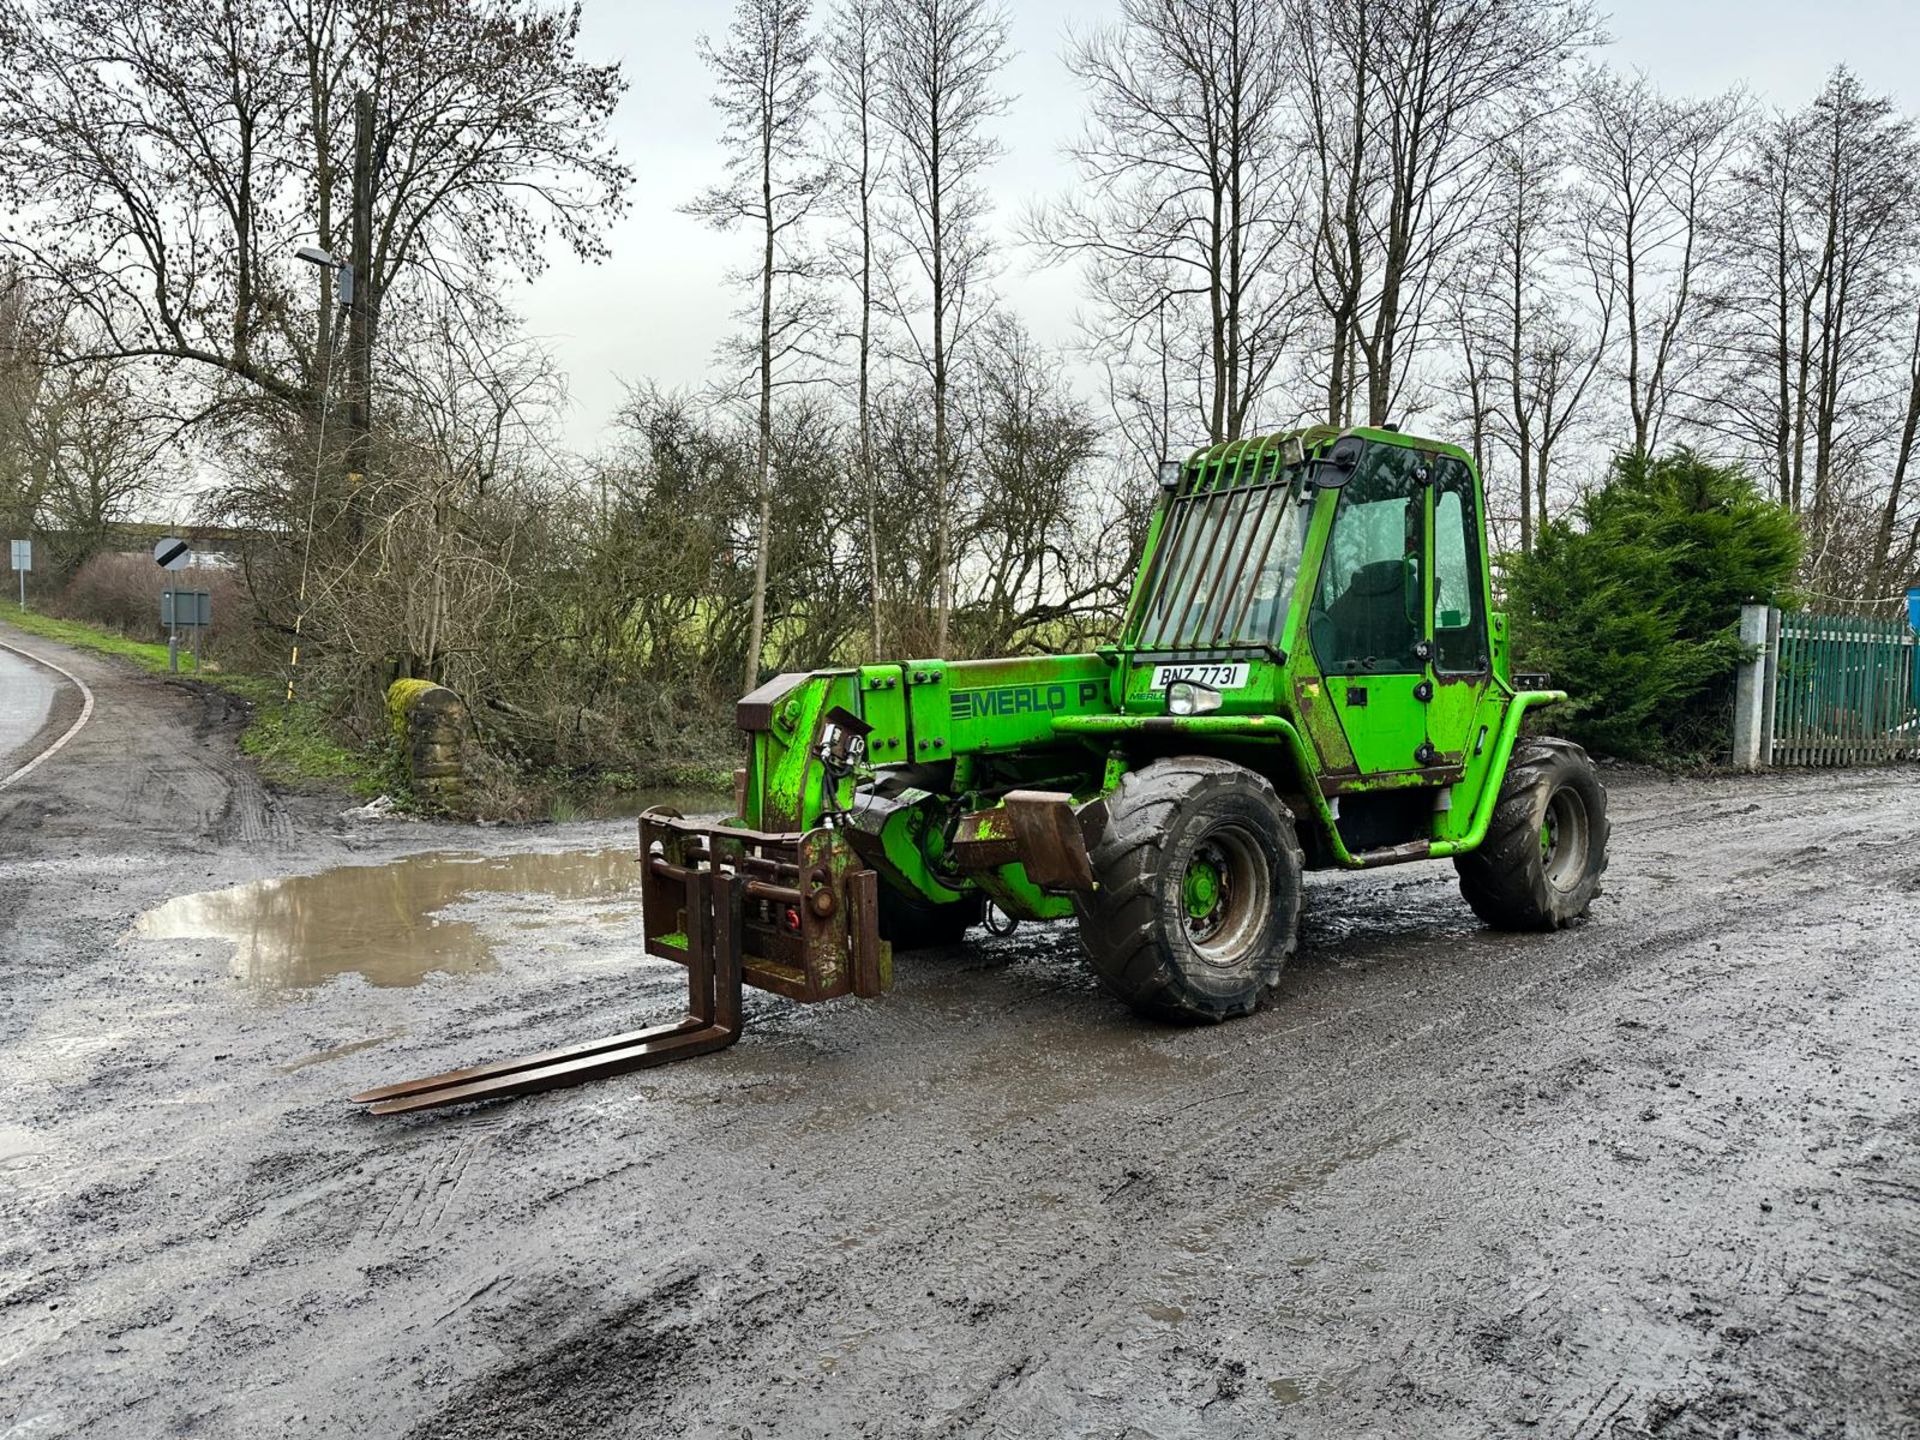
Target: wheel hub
x: 1563, y: 839
x: 1225, y: 893
x: 1204, y: 885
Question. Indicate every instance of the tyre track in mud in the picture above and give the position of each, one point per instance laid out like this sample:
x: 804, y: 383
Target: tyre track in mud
x: 1414, y: 1195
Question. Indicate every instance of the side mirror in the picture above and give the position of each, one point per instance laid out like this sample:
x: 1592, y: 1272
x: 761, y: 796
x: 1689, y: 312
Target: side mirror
x: 1339, y: 463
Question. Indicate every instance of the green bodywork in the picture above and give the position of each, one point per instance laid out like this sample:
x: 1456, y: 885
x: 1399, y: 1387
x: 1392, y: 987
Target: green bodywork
x: 1249, y: 583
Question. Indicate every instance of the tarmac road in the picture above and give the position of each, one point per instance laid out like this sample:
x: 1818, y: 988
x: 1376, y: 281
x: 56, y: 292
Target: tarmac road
x: 1658, y: 1175
x: 27, y: 693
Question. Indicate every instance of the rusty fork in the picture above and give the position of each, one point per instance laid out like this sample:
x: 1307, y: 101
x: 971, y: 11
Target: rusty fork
x: 714, y: 925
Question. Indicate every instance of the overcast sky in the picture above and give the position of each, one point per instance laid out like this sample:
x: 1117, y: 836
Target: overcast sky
x: 658, y: 307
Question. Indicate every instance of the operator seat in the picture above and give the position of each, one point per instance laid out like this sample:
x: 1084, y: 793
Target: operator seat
x: 1369, y: 620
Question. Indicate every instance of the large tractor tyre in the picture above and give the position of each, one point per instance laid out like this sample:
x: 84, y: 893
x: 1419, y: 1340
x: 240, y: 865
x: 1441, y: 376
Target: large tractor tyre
x: 1198, y: 905
x: 1540, y: 865
x: 911, y: 923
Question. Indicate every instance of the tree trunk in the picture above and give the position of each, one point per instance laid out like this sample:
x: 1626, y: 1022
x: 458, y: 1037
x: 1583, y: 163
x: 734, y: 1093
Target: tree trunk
x: 867, y: 482
x: 360, y: 310
x: 943, y: 581
x: 763, y: 458
x: 1890, y: 512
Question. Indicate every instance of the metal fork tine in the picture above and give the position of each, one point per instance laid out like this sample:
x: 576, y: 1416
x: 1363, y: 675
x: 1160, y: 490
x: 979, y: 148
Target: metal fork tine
x: 500, y: 1068
x: 714, y: 933
x: 672, y: 1043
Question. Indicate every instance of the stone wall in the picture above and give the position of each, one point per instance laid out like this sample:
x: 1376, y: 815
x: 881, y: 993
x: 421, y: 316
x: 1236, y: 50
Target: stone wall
x: 430, y: 723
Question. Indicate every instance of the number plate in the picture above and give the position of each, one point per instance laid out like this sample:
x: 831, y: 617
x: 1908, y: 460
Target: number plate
x: 1214, y: 677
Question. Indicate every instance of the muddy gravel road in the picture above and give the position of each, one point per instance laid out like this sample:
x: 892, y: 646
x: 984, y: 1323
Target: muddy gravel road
x: 1656, y: 1176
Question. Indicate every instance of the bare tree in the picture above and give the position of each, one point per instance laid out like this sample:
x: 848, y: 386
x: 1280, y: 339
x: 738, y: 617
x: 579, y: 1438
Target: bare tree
x: 1654, y: 171
x: 80, y: 442
x: 174, y: 157
x: 475, y: 397
x: 1401, y: 102
x: 25, y: 341
x: 1886, y: 569
x: 853, y: 85
x: 1762, y: 305
x: 767, y: 87
x: 100, y: 445
x: 1863, y: 187
x: 1034, y: 443
x: 1180, y: 212
x: 1535, y: 351
x: 1473, y: 383
x: 940, y: 69
x: 1811, y: 307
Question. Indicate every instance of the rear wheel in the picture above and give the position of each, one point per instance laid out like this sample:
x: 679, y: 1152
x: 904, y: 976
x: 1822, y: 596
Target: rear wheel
x: 1199, y: 870
x: 1540, y: 865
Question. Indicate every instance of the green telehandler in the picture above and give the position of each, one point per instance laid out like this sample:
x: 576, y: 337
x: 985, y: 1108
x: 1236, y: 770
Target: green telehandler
x: 1309, y: 675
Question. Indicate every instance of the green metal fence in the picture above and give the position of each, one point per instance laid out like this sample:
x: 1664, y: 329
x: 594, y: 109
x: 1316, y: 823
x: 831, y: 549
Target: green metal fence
x: 1844, y: 690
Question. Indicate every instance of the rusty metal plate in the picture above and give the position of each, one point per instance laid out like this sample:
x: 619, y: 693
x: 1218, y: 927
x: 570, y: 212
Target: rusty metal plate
x: 1051, y: 845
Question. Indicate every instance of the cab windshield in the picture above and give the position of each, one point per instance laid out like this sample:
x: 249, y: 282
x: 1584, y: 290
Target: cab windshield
x: 1225, y: 569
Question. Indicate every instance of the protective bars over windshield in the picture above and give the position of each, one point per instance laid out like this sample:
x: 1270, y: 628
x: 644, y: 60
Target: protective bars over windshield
x: 1223, y: 573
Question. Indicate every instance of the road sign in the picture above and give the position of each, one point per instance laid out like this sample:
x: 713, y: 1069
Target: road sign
x: 1913, y: 607
x: 186, y: 609
x: 172, y: 555
x: 23, y: 555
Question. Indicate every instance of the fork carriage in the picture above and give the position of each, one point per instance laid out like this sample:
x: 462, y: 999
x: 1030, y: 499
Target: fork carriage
x: 810, y: 927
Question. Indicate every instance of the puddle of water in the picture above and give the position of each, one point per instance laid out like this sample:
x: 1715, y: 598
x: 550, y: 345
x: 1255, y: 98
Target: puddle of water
x: 381, y: 921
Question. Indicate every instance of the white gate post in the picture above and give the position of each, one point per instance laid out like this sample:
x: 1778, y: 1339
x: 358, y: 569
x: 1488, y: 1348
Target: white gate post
x: 1751, y: 743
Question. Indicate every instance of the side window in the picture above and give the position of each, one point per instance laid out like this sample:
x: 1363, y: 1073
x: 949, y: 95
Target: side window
x: 1366, y: 617
x: 1459, y: 626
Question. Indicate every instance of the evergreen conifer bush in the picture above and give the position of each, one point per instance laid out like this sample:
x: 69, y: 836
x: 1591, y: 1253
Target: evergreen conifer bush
x: 1632, y: 602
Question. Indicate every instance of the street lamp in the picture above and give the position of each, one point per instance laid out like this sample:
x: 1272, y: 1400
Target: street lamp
x: 314, y: 255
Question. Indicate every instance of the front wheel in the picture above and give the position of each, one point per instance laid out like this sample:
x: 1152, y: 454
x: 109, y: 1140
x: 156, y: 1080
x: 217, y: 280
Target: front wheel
x: 1540, y: 865
x: 1198, y: 905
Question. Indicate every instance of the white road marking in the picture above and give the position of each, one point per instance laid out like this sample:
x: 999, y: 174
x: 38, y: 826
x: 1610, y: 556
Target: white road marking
x: 86, y: 714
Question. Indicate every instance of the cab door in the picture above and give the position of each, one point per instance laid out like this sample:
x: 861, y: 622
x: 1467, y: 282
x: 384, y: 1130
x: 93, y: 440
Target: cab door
x: 1460, y: 656
x: 1369, y: 619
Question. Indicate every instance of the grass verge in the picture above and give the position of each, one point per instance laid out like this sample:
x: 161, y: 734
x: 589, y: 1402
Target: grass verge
x: 289, y: 741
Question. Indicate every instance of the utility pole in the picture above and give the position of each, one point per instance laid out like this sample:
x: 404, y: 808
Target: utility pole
x: 358, y: 295
x: 361, y: 306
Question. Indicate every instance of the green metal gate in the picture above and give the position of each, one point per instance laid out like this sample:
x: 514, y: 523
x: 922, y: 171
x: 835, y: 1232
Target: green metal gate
x: 1846, y: 691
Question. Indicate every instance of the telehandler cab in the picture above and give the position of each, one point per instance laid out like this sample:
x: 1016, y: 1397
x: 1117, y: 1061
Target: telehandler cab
x: 1310, y: 675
